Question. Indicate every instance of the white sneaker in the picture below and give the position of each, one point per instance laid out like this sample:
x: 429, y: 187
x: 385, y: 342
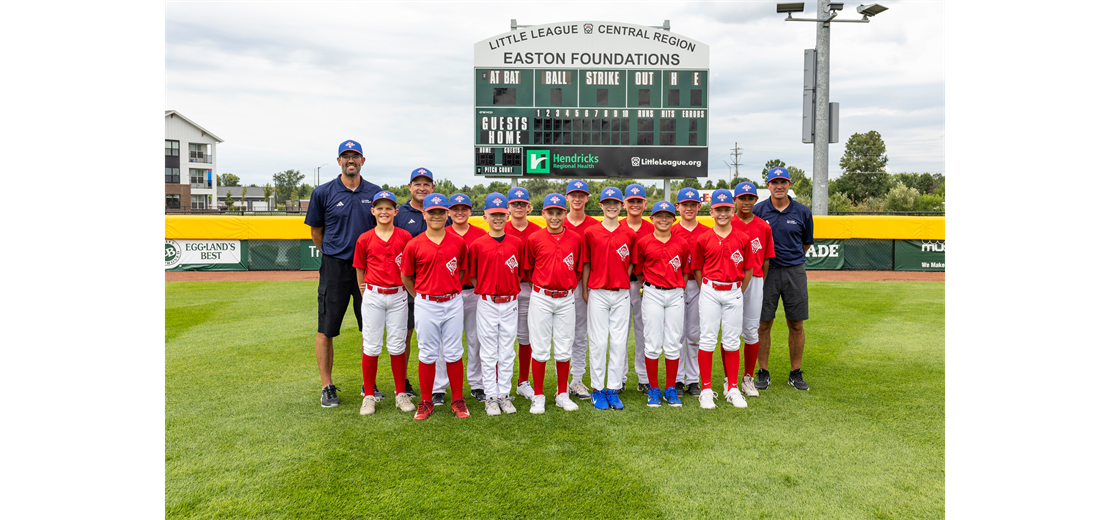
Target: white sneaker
x: 747, y: 385
x: 563, y: 401
x: 506, y: 405
x: 369, y: 403
x: 525, y: 390
x: 492, y: 406
x: 537, y: 404
x: 736, y: 398
x: 404, y: 403
x: 706, y: 399
x: 577, y: 389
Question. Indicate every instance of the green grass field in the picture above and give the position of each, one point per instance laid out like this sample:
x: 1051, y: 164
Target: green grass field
x: 246, y: 436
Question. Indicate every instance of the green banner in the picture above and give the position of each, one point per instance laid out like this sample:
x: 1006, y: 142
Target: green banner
x: 919, y: 255
x: 868, y: 254
x: 310, y: 256
x: 205, y: 255
x: 825, y: 255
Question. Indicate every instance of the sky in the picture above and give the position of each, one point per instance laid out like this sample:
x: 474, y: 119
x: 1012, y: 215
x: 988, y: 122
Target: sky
x: 283, y: 83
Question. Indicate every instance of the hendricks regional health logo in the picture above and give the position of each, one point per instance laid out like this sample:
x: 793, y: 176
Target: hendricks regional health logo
x: 539, y: 161
x: 173, y: 253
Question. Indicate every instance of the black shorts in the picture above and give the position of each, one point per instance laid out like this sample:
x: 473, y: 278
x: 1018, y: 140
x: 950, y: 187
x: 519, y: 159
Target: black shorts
x: 790, y: 284
x: 412, y: 317
x: 338, y: 282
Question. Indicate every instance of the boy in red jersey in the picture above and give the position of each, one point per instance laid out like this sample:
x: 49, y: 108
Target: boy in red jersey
x: 606, y: 266
x: 377, y: 262
x: 519, y: 226
x: 763, y: 249
x: 494, y: 271
x: 723, y: 261
x: 554, y: 258
x: 578, y: 193
x: 634, y: 199
x: 432, y: 267
x: 689, y: 229
x: 663, y: 260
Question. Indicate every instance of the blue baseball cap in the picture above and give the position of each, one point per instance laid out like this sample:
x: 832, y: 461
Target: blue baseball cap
x: 349, y: 145
x: 421, y: 172
x: 460, y: 198
x: 720, y: 197
x: 496, y: 203
x: 778, y: 172
x: 578, y: 185
x: 634, y: 191
x: 519, y: 195
x: 663, y: 206
x: 435, y: 201
x: 387, y: 195
x: 745, y: 188
x: 688, y: 195
x: 554, y: 200
x: 611, y: 193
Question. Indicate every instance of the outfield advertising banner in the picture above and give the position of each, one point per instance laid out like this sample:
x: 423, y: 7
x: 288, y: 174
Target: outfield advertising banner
x: 310, y: 256
x: 825, y: 255
x: 919, y: 255
x: 596, y: 162
x: 205, y: 255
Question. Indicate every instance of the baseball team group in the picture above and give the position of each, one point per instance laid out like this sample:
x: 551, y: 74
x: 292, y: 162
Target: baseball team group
x: 569, y: 290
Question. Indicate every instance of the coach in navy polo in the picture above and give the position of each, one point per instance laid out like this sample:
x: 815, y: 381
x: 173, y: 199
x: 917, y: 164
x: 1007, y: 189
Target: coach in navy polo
x: 338, y: 212
x: 792, y: 229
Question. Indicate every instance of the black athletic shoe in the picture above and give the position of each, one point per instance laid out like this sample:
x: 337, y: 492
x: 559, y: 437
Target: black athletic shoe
x: 693, y: 389
x: 437, y: 399
x: 795, y: 380
x: 643, y: 387
x: 679, y: 389
x: 621, y: 390
x: 377, y: 393
x: 409, y: 390
x: 762, y: 379
x: 328, y: 397
x: 478, y: 394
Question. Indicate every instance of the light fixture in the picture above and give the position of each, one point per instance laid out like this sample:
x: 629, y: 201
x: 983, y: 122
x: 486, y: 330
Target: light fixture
x: 836, y: 6
x: 870, y: 9
x: 791, y: 8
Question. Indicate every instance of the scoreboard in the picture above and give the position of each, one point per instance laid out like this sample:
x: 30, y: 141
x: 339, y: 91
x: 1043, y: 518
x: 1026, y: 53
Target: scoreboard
x: 591, y: 100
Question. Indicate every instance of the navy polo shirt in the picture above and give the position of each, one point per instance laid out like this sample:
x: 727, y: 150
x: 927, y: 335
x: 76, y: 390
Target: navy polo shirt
x: 792, y: 228
x: 411, y: 219
x: 343, y: 213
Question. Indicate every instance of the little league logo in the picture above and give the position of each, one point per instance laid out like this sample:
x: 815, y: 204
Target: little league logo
x: 623, y: 251
x: 497, y: 201
x: 569, y: 260
x: 609, y: 191
x: 578, y: 184
x: 350, y: 144
x: 588, y: 28
x: 675, y: 263
x: 459, y: 198
x: 635, y: 163
x: 511, y: 262
x: 452, y: 265
x: 173, y: 253
x: 435, y: 200
x: 737, y: 257
x: 721, y: 197
x: 398, y: 259
x: 519, y: 193
x: 634, y: 190
x: 756, y: 246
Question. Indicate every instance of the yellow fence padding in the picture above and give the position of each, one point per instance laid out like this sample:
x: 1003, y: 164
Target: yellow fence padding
x: 218, y: 227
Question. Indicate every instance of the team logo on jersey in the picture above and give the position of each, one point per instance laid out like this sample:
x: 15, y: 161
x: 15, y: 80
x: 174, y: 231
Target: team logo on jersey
x: 453, y: 265
x: 756, y: 246
x: 569, y: 260
x: 398, y: 259
x: 623, y: 251
x: 511, y: 262
x: 737, y: 257
x: 675, y: 263
x: 364, y: 201
x: 340, y: 204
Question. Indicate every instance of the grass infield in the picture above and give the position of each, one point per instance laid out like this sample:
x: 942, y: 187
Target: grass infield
x: 246, y: 436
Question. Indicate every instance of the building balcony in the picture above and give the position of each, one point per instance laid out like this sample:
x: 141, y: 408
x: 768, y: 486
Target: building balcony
x: 200, y: 185
x: 199, y: 158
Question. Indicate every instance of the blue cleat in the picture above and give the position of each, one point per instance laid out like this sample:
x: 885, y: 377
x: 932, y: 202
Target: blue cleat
x: 600, y: 400
x: 653, y: 397
x: 671, y: 395
x: 614, y: 399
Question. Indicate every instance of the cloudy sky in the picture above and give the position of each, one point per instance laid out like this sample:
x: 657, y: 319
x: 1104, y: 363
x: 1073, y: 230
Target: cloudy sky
x: 284, y: 83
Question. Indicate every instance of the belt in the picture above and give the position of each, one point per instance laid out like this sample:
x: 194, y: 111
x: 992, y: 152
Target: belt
x: 553, y: 294
x: 607, y: 289
x: 498, y: 299
x: 384, y: 290
x: 653, y: 286
x: 721, y: 286
x: 439, y: 298
x: 465, y: 287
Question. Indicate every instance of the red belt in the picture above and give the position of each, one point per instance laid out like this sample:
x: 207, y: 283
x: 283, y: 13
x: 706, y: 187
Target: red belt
x: 383, y: 290
x: 498, y: 299
x: 553, y: 294
x: 439, y: 298
x: 721, y: 286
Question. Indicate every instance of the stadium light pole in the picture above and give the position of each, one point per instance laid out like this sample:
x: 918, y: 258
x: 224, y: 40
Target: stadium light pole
x: 826, y: 12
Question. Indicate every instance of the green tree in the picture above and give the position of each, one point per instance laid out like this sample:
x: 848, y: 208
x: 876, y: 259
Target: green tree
x: 864, y: 165
x: 839, y: 202
x: 285, y: 184
x: 800, y: 183
x: 708, y: 184
x: 901, y: 198
x: 243, y: 197
x: 446, y: 187
x: 304, y: 191
x: 228, y: 201
x: 872, y: 204
x: 688, y: 182
x: 722, y: 184
x: 499, y: 187
x: 929, y: 202
x: 771, y: 164
x: 267, y: 190
x: 228, y: 179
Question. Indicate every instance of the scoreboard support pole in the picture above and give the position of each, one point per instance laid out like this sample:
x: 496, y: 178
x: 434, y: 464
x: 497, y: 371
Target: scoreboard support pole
x: 667, y: 190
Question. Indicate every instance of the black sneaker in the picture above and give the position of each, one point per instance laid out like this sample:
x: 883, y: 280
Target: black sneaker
x: 693, y: 389
x: 409, y: 390
x: 679, y: 388
x: 762, y: 379
x: 437, y: 399
x: 795, y: 380
x: 478, y: 394
x: 328, y: 397
x: 621, y: 390
x: 377, y: 393
x: 643, y: 387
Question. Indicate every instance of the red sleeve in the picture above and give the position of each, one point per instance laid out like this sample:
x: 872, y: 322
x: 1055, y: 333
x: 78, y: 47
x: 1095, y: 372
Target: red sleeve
x: 586, y: 250
x: 526, y: 258
x: 636, y: 255
x: 408, y: 259
x: 360, y: 252
x: 698, y: 255
x: 471, y: 261
x: 581, y: 259
x: 464, y: 261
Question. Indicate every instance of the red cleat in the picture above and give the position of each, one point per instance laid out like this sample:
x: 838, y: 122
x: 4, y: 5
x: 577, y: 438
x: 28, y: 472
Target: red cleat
x: 459, y: 407
x: 423, y: 410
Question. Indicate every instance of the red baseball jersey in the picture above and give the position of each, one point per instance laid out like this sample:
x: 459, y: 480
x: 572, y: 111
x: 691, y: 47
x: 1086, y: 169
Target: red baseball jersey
x: 496, y: 265
x: 662, y: 264
x: 646, y: 227
x: 690, y: 236
x: 435, y: 266
x: 532, y: 227
x: 381, y: 259
x: 763, y: 245
x: 609, y: 254
x: 723, y: 259
x: 581, y: 228
x: 472, y: 234
x: 554, y: 260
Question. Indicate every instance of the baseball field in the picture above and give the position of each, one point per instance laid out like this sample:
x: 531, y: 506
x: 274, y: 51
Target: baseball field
x: 246, y: 436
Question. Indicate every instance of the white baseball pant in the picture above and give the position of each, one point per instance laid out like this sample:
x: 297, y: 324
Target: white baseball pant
x: 608, y: 336
x: 551, y: 327
x: 522, y: 300
x: 439, y: 329
x: 580, y: 349
x: 473, y: 356
x: 663, y: 319
x: 635, y: 299
x: 720, y: 311
x: 753, y: 305
x: 496, y: 326
x: 384, y: 314
x: 689, y: 372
